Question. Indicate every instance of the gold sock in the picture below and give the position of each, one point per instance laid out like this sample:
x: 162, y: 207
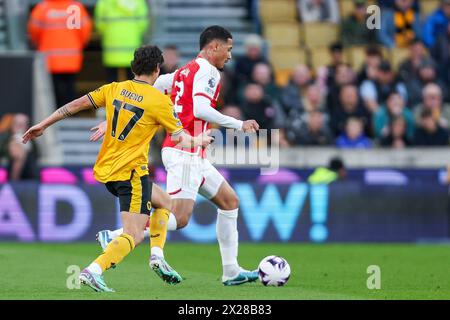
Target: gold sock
x: 116, y: 250
x: 158, y: 227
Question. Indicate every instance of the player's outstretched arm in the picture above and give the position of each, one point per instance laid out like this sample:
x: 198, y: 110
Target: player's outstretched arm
x: 65, y: 111
x: 204, y: 111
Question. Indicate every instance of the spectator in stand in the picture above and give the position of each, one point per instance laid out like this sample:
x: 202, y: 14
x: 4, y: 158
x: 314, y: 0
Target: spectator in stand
x: 441, y: 54
x: 394, y: 108
x: 350, y: 106
x: 337, y: 58
x: 344, y: 75
x: 318, y: 11
x: 122, y: 26
x: 21, y: 158
x: 313, y: 99
x: 373, y: 59
x: 375, y: 92
x: 313, y: 131
x: 244, y: 65
x: 391, y: 4
x: 400, y: 25
x: 409, y: 68
x: 353, y: 137
x: 61, y: 46
x: 429, y: 132
x: 354, y: 29
x: 397, y: 137
x: 432, y: 101
x: 262, y: 74
x: 171, y: 59
x: 258, y: 106
x: 291, y: 95
x: 426, y: 74
x: 436, y: 24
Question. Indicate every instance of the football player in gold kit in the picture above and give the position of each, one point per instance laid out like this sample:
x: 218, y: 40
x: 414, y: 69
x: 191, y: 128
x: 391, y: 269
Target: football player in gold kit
x: 134, y: 111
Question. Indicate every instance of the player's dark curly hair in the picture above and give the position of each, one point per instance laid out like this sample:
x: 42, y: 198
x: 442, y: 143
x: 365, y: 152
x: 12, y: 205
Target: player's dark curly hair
x: 146, y: 60
x: 214, y: 33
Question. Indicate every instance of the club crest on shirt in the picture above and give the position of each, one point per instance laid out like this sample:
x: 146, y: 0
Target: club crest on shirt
x: 212, y: 82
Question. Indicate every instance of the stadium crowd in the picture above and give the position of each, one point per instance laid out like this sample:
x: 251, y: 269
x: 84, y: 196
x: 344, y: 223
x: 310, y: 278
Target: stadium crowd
x: 340, y: 105
x: 336, y: 105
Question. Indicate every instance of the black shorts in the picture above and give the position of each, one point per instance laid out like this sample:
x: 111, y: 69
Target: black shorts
x: 134, y: 194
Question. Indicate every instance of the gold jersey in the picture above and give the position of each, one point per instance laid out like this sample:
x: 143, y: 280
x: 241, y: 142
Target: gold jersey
x: 134, y: 111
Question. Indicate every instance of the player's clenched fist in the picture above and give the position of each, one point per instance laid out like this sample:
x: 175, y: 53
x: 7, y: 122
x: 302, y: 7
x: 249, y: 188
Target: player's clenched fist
x: 250, y: 126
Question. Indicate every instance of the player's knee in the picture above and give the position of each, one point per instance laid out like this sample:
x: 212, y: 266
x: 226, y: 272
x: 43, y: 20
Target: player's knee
x: 231, y: 202
x: 182, y: 221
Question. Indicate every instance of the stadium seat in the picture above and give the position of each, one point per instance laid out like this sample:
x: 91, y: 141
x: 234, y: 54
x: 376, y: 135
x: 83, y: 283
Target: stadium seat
x: 319, y: 34
x: 278, y: 10
x: 356, y: 56
x: 286, y: 57
x: 428, y: 6
x: 319, y: 57
x: 346, y: 7
x: 397, y: 56
x: 282, y: 33
x: 282, y: 76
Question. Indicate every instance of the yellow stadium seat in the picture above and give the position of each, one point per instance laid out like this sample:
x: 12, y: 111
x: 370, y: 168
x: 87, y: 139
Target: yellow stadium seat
x: 319, y: 57
x: 356, y: 56
x: 319, y: 34
x: 428, y: 6
x: 346, y: 7
x: 278, y: 10
x: 282, y: 76
x: 282, y: 33
x: 397, y: 56
x: 286, y: 57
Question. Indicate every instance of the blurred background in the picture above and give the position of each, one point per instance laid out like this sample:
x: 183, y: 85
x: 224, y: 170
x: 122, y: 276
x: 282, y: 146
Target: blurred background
x: 363, y: 113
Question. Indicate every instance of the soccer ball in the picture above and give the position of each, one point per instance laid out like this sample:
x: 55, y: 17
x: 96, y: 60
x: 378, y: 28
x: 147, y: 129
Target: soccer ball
x: 274, y: 271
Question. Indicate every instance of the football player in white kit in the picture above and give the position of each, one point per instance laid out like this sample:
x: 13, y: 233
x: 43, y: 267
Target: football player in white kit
x: 194, y: 89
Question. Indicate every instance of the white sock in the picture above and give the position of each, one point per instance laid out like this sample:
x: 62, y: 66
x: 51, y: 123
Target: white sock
x: 157, y: 251
x: 172, y: 223
x: 95, y: 268
x: 227, y: 236
x: 116, y: 233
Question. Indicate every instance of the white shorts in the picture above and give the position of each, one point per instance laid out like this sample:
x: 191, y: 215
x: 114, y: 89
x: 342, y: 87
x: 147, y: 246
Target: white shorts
x: 189, y: 174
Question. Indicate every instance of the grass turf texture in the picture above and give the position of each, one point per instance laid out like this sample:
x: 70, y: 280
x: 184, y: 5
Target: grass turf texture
x: 330, y: 271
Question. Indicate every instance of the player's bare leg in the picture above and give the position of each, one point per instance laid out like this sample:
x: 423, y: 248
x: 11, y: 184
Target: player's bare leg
x: 116, y: 251
x: 227, y: 235
x: 182, y: 209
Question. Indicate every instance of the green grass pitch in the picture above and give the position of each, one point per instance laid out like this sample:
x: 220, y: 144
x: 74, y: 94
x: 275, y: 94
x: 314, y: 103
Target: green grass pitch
x: 328, y: 271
